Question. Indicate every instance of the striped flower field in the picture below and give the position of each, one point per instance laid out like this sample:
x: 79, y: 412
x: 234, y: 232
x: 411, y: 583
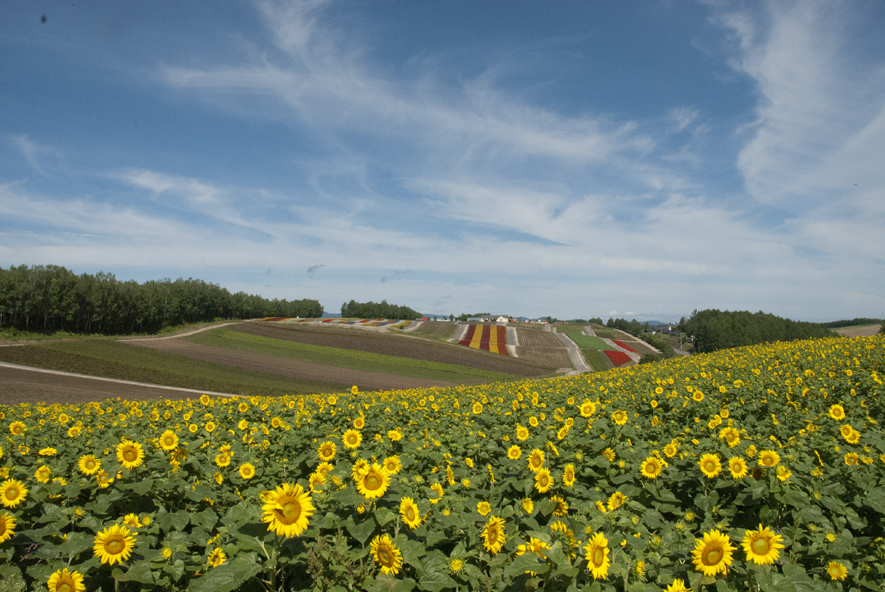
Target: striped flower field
x: 491, y: 338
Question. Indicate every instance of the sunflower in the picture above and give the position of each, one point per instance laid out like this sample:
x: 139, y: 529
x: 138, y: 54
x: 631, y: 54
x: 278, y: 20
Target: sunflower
x: 359, y: 423
x: 287, y: 509
x: 409, y: 512
x: 514, y: 452
x: 522, y: 433
x: 616, y: 500
x: 222, y: 459
x: 484, y: 508
x: 712, y: 554
x: 597, y: 556
x: 103, y: 479
x: 131, y: 520
x: 210, y: 426
x: 836, y: 571
x: 7, y: 526
x: 493, y: 535
x: 853, y: 437
x: 216, y: 557
x: 698, y: 396
x: 130, y: 454
x: 327, y: 451
x: 762, y: 546
x: 678, y: 585
x: 619, y: 417
x: 543, y: 481
x: 609, y: 454
x: 43, y: 474
x: 710, y: 465
x: 17, y: 428
x: 737, y: 467
x: 851, y: 459
x: 114, y: 544
x: 393, y: 464
x: 731, y: 436
x: 568, y: 475
x: 769, y: 458
x: 168, y: 441
x: 846, y: 430
x: 528, y: 505
x: 47, y: 452
x: 477, y: 408
x: 587, y: 408
x: 837, y: 412
x: 561, y: 506
x: 783, y: 473
x: 373, y: 482
x: 12, y: 492
x: 351, y: 439
x: 436, y: 487
x: 651, y: 468
x: 386, y: 554
x: 66, y: 581
x: 247, y: 470
x: 88, y: 464
x: 536, y: 460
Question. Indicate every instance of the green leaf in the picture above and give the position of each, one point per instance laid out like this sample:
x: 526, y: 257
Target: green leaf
x: 77, y: 542
x: 525, y: 563
x: 383, y: 516
x: 227, y: 577
x: 361, y: 531
x: 140, y: 571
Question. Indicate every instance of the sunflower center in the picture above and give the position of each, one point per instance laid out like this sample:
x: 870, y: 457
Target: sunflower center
x: 373, y: 482
x: 713, y: 556
x: 130, y: 455
x: 761, y: 546
x: 90, y: 464
x: 114, y: 546
x: 709, y: 466
x: 12, y: 493
x: 598, y: 556
x: 64, y: 586
x: 291, y: 510
x: 385, y: 556
x: 410, y: 513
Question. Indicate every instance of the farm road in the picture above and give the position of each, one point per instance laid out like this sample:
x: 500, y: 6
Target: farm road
x: 574, y: 355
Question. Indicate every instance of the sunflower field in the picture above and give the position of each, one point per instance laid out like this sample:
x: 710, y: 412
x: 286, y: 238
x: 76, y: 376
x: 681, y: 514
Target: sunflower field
x: 759, y: 468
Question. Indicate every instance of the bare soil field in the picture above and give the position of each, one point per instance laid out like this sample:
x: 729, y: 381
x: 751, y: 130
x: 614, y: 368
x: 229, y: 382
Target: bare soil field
x: 641, y: 347
x: 435, y: 330
x: 867, y: 331
x: 32, y: 386
x: 532, y: 338
x: 405, y: 346
x: 288, y: 367
x: 542, y: 347
x: 556, y: 357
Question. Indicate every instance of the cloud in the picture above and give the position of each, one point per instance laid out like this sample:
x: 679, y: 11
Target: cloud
x: 314, y: 268
x: 36, y: 153
x: 802, y: 60
x: 396, y: 275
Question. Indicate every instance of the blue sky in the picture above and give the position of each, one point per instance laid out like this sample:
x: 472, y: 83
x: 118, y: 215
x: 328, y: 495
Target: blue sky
x: 571, y: 159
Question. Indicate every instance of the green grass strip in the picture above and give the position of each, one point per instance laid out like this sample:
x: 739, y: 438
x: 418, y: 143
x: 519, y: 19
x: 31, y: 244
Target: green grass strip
x: 594, y: 358
x: 343, y: 358
x: 584, y: 341
x: 111, y: 359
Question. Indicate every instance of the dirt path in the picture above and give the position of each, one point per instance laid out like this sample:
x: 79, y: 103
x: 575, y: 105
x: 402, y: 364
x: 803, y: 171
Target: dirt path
x: 22, y: 383
x: 574, y: 354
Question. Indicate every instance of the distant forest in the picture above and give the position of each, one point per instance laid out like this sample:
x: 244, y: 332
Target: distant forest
x: 377, y: 310
x: 713, y: 329
x: 51, y: 298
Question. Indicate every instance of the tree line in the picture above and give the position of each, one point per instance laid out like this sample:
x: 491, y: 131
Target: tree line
x: 51, y: 298
x: 377, y: 310
x: 713, y: 329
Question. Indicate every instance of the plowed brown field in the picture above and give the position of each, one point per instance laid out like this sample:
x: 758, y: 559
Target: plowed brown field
x: 404, y: 346
x: 289, y: 367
